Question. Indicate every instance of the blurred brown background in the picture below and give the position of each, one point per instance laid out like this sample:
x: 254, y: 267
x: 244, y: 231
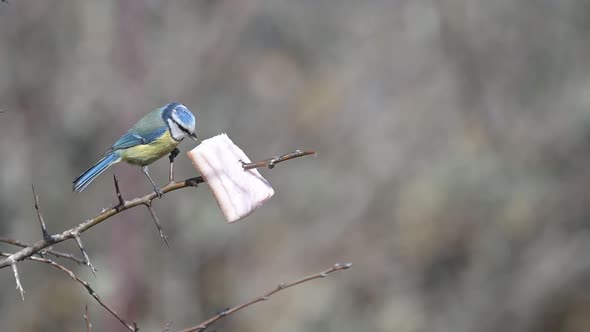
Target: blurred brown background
x: 454, y: 141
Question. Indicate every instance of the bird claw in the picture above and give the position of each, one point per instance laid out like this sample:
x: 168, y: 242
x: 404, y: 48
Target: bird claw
x: 159, y: 192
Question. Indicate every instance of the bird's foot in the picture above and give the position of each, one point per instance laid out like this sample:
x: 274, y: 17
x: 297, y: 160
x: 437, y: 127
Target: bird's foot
x: 159, y: 192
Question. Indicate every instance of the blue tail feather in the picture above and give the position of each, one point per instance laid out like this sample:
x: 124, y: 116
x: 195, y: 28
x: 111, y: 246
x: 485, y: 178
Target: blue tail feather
x: 93, y: 172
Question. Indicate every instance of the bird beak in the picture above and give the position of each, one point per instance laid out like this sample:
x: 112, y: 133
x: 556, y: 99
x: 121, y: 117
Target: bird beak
x: 193, y: 136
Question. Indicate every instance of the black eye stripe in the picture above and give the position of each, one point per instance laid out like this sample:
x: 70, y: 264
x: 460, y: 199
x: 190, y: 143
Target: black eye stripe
x: 181, y: 127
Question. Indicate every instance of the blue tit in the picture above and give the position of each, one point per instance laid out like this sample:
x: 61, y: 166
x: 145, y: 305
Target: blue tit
x: 155, y: 135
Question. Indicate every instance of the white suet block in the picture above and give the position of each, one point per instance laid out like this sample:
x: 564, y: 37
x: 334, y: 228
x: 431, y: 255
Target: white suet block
x: 237, y: 191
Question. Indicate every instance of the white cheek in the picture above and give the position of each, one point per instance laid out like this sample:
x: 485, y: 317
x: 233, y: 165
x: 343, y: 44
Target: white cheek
x: 175, y: 132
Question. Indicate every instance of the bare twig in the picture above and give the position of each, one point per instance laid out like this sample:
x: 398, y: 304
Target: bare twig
x: 205, y: 324
x: 44, y: 251
x: 271, y: 162
x: 81, y: 246
x: 129, y: 326
x: 40, y: 216
x: 157, y: 222
x: 88, y: 325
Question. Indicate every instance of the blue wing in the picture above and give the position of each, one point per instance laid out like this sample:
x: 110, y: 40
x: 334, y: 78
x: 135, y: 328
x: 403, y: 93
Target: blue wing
x: 134, y: 138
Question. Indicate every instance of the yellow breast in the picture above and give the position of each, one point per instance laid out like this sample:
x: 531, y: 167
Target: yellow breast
x: 148, y: 153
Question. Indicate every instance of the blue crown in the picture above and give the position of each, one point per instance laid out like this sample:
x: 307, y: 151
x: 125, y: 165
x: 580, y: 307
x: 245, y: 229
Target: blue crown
x: 183, y: 113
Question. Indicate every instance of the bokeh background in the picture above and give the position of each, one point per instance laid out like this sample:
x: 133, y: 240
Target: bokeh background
x: 453, y: 167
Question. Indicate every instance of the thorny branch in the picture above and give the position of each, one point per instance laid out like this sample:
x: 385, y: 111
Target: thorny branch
x: 205, y: 324
x: 74, y: 232
x: 129, y: 326
x: 41, y: 247
x: 86, y: 225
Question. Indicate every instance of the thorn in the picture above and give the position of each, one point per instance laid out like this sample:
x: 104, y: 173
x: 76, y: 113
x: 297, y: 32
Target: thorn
x: 118, y: 192
x: 18, y: 284
x: 46, y: 235
x: 157, y: 222
x: 79, y: 242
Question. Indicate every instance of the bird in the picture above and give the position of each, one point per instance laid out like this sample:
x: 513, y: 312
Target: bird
x: 155, y: 135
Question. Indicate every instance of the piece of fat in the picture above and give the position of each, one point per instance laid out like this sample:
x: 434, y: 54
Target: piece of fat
x: 237, y: 191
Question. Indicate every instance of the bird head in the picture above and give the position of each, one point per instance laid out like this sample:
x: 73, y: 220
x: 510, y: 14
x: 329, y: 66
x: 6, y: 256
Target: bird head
x: 180, y: 121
